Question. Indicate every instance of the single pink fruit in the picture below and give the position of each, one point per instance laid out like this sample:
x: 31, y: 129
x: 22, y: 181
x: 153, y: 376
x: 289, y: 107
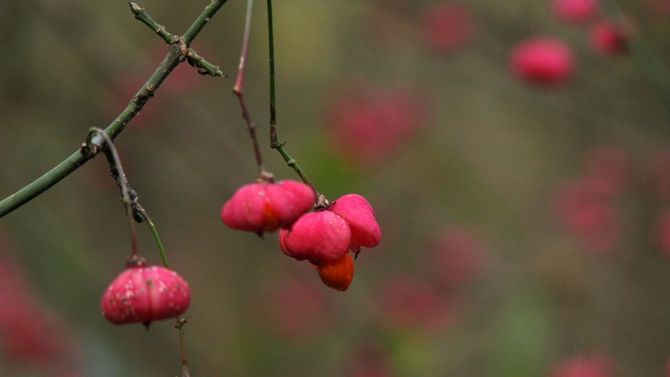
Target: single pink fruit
x: 264, y: 207
x: 145, y: 294
x: 543, y: 61
x: 448, y: 26
x: 608, y: 38
x: 322, y: 237
x: 576, y: 11
x: 360, y: 216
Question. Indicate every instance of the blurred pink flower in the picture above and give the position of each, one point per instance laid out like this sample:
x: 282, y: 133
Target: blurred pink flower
x: 458, y: 258
x: 411, y: 304
x: 370, y: 362
x: 368, y: 125
x: 297, y: 308
x: 608, y: 38
x: 584, y: 366
x: 658, y: 170
x: 30, y: 335
x: 662, y: 232
x: 448, y: 26
x: 609, y: 168
x: 589, y: 215
x: 576, y: 11
x: 543, y: 61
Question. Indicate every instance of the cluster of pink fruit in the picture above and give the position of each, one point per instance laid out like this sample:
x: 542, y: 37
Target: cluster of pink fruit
x: 549, y: 61
x: 323, y: 237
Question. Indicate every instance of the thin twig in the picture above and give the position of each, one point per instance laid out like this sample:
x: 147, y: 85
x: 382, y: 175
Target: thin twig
x: 107, y: 145
x: 204, y: 67
x: 238, y: 89
x: 154, y: 234
x: 179, y: 325
x: 77, y: 159
x: 142, y: 15
x: 274, y: 131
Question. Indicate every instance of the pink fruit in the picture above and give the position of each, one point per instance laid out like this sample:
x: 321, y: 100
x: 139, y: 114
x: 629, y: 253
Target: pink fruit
x: 360, y: 216
x: 576, y: 11
x: 264, y: 207
x: 590, y: 366
x: 145, y: 294
x: 322, y: 237
x: 448, y: 26
x: 543, y: 61
x: 608, y: 38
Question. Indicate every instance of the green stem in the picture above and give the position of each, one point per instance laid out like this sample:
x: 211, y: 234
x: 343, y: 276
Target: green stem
x: 77, y: 159
x: 204, y: 67
x: 274, y: 137
x: 274, y: 132
x: 154, y: 234
x: 202, y: 20
x: 142, y: 15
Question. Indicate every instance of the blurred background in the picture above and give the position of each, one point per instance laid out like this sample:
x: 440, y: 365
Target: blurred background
x: 522, y: 199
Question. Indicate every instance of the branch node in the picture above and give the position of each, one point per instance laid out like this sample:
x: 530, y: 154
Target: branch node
x: 136, y: 9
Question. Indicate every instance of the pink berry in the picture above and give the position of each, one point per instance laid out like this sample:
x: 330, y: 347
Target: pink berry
x: 543, y: 61
x: 608, y: 38
x: 145, y: 294
x: 576, y: 11
x: 321, y: 237
x: 360, y: 216
x: 264, y: 207
x: 448, y: 26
